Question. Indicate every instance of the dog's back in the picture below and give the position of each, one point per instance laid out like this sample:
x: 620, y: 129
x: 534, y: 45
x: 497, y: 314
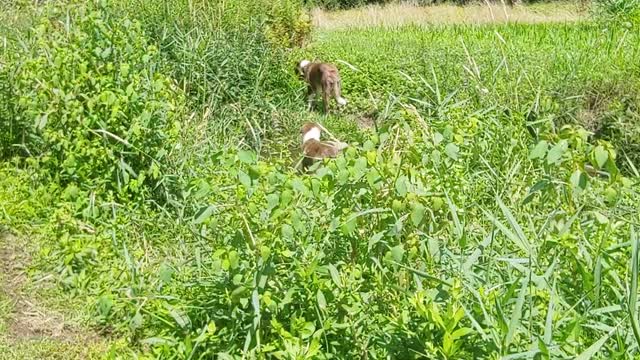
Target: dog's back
x: 314, y: 150
x: 323, y: 74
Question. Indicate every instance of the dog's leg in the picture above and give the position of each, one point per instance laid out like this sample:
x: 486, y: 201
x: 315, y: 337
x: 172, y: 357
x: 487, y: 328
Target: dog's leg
x: 337, y: 88
x: 310, y: 97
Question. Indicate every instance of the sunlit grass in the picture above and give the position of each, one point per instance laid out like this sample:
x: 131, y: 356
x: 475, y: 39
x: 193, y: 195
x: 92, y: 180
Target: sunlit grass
x: 467, y: 223
x: 394, y: 15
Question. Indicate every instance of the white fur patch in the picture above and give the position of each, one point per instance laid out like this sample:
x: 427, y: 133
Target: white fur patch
x: 304, y: 63
x: 312, y: 134
x: 341, y: 101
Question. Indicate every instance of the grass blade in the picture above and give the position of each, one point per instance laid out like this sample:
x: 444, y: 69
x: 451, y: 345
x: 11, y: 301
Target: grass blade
x: 595, y: 347
x: 514, y: 323
x: 548, y: 325
x: 508, y: 233
x: 633, y: 296
x: 514, y: 225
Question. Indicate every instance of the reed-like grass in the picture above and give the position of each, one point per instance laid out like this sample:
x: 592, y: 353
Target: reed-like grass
x: 466, y: 223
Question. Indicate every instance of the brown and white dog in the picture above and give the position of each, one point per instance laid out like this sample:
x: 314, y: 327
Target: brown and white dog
x: 324, y: 78
x: 313, y: 149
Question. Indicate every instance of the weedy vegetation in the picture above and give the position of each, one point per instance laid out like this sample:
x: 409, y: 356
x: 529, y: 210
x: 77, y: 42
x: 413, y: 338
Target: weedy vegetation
x: 487, y: 207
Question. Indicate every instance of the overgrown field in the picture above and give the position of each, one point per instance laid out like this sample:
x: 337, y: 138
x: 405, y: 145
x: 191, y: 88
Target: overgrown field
x: 487, y: 206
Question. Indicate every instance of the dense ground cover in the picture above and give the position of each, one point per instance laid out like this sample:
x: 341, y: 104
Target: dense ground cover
x: 485, y: 209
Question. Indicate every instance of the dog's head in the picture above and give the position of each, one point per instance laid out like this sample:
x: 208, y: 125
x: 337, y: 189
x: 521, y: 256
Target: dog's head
x: 301, y: 67
x: 310, y: 131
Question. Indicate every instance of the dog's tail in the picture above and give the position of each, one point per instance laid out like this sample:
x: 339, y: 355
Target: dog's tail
x: 338, y: 145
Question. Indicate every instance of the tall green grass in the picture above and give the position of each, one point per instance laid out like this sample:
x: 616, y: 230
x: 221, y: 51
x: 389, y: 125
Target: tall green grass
x: 545, y: 74
x: 229, y: 56
x: 468, y: 222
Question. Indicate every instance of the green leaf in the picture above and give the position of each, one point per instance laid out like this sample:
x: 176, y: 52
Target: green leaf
x: 436, y: 157
x: 307, y: 330
x: 523, y: 244
x: 360, y: 166
x: 299, y: 186
x: 322, y: 302
x: 601, y: 155
x: 452, y: 151
x: 247, y: 157
x: 180, y: 318
x: 234, y: 259
x: 542, y: 347
x: 286, y: 198
x: 136, y: 321
x: 548, y: 325
x: 460, y: 333
x: 540, y: 150
x: 437, y: 138
x: 633, y: 287
x: 41, y: 121
x: 349, y: 226
x: 447, y: 344
x: 244, y: 179
x: 287, y: 231
x: 158, y: 341
x: 272, y: 201
x: 417, y: 214
x: 203, y: 214
x: 594, y: 348
x: 458, y: 228
x: 514, y: 323
x: 105, y: 53
x: 375, y: 239
x: 539, y: 186
x: 401, y: 185
x: 165, y: 273
x: 255, y: 302
x: 578, y: 181
x: 368, y: 146
x: 124, y: 70
x: 556, y: 152
x: 397, y: 253
x: 601, y: 219
x: 211, y: 328
x: 335, y: 275
x: 288, y: 297
x: 203, y: 190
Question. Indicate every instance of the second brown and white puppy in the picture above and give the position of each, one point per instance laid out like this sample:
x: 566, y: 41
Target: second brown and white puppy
x: 323, y: 78
x: 313, y: 149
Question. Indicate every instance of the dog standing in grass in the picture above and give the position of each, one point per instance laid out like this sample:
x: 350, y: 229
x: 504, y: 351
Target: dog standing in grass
x: 321, y: 77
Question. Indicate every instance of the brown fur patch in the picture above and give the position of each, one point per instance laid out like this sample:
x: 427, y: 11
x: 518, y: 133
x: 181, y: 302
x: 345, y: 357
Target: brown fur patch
x: 324, y: 78
x: 313, y: 149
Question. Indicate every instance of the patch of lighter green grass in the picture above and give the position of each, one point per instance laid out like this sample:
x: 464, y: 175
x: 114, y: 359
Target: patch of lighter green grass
x: 393, y: 15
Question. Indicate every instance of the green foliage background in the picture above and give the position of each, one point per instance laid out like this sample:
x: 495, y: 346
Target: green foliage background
x: 487, y: 212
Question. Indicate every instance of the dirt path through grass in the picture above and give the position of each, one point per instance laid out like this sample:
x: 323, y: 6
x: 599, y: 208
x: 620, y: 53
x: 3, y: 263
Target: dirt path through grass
x: 29, y: 329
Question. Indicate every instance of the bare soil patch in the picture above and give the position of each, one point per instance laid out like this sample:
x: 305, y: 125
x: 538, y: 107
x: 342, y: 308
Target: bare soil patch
x: 26, y: 318
x: 366, y: 121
